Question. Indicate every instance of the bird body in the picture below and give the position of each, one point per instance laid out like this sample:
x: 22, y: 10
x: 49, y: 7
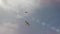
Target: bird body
x: 27, y: 23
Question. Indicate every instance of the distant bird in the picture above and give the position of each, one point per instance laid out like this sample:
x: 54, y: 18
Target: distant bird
x: 27, y: 23
x: 26, y: 12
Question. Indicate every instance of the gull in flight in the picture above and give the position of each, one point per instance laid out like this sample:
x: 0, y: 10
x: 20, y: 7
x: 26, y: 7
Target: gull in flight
x: 27, y: 23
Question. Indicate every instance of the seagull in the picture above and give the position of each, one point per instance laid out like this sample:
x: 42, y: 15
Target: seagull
x: 27, y: 23
x: 26, y: 12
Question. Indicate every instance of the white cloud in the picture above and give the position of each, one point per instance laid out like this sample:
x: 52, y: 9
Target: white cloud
x: 9, y: 10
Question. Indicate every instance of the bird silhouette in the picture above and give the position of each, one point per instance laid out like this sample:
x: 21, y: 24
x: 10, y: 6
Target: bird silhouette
x: 27, y: 23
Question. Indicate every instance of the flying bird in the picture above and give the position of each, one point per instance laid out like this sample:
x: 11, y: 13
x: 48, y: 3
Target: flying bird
x: 26, y: 12
x: 27, y: 23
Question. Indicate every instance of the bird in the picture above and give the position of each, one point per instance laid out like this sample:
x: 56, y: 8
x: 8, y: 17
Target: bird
x: 27, y: 23
x: 26, y: 12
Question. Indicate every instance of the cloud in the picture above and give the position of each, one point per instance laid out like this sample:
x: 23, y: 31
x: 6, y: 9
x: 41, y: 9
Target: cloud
x: 10, y: 9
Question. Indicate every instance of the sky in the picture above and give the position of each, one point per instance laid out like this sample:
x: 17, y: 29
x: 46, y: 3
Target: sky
x: 43, y: 19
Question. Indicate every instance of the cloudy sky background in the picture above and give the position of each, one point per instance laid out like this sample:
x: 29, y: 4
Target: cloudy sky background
x: 43, y: 17
x: 12, y: 15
